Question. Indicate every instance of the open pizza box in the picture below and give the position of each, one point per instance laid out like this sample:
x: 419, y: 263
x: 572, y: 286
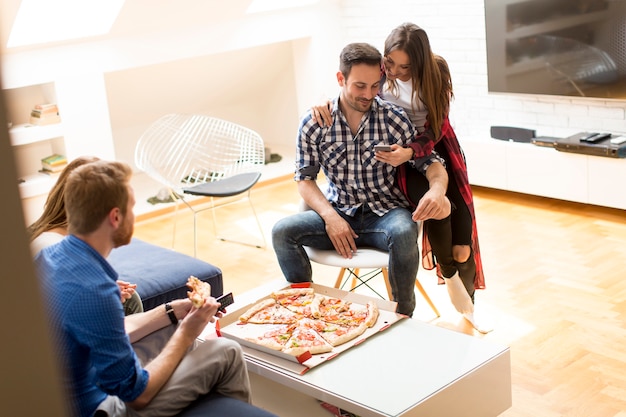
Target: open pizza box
x: 229, y: 327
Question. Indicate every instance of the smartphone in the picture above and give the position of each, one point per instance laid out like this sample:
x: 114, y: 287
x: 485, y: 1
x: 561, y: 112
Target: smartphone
x: 382, y: 148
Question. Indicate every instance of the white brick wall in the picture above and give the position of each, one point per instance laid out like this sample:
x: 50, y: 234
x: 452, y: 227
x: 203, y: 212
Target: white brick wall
x: 457, y: 32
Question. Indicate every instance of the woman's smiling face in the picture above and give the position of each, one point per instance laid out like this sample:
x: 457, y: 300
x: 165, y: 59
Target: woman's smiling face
x: 397, y: 65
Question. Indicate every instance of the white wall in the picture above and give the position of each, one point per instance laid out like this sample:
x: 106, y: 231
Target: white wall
x: 254, y: 87
x: 456, y: 29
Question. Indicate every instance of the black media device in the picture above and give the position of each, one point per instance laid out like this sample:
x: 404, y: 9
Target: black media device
x: 225, y: 300
x: 515, y: 134
x: 604, y: 147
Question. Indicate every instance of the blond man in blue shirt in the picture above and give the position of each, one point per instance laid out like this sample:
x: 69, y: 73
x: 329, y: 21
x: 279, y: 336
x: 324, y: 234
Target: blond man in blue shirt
x: 149, y: 363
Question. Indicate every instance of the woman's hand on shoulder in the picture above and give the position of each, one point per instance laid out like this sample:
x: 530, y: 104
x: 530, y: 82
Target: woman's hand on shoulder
x: 321, y: 113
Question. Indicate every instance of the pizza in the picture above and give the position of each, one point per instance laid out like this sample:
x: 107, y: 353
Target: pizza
x: 297, y: 320
x: 200, y: 291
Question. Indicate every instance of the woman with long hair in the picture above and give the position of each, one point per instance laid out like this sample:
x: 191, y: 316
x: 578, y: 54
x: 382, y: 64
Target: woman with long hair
x: 51, y: 227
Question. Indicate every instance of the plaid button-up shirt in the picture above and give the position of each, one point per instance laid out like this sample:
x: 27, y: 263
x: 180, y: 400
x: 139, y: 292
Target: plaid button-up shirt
x: 354, y: 176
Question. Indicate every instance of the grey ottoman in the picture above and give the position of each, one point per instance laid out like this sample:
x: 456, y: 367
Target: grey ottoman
x: 161, y: 274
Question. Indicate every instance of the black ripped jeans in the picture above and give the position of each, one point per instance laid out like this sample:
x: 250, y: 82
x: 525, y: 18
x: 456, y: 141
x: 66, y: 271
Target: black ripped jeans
x: 456, y: 229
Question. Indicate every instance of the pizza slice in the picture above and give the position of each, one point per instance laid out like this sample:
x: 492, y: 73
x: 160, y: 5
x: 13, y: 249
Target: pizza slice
x: 303, y: 301
x: 274, y: 314
x: 354, y: 317
x: 292, y: 292
x: 200, y: 291
x: 261, y: 305
x: 369, y: 314
x: 305, y: 339
x: 275, y: 338
x: 337, y: 334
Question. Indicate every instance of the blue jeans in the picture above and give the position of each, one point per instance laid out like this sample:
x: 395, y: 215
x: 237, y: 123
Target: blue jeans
x: 394, y: 232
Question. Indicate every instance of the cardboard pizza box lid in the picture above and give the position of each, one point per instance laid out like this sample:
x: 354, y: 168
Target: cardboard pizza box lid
x: 229, y: 327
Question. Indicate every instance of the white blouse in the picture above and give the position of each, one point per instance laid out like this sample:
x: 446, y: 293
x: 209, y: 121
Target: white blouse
x: 402, y: 97
x: 44, y: 240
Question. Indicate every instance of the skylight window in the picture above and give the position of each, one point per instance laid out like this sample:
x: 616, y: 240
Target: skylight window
x: 44, y: 21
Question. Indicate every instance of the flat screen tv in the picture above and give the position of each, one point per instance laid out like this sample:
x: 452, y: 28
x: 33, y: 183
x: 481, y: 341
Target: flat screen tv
x: 557, y: 47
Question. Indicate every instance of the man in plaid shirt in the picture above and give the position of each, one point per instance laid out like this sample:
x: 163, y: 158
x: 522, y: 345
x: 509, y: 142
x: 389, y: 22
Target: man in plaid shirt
x: 361, y: 205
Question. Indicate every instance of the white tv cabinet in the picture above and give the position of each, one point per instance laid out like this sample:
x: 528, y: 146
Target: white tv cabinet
x: 546, y: 172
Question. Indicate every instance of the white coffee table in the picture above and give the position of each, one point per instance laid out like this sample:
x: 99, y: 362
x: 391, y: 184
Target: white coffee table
x: 410, y: 369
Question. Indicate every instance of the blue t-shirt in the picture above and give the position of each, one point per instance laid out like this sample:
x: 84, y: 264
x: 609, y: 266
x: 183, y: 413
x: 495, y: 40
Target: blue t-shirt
x: 87, y: 321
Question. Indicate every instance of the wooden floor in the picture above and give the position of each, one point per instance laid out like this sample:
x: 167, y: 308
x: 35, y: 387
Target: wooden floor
x: 556, y: 289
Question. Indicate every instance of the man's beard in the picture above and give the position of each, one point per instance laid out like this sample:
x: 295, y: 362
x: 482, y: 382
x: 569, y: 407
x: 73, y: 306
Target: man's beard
x: 361, y: 105
x: 123, y: 235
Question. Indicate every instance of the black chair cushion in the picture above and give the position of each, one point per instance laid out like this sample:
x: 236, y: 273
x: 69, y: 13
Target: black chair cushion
x: 226, y: 187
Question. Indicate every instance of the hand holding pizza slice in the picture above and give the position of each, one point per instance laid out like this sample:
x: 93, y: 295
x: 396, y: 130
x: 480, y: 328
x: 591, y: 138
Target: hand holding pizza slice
x: 200, y: 291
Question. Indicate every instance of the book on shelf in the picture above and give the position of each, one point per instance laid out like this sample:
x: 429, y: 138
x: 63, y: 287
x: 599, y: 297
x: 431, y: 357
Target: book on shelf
x: 45, y: 120
x: 51, y: 173
x: 54, y: 163
x: 43, y: 114
x: 46, y: 107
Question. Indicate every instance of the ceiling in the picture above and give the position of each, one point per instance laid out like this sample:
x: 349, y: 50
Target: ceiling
x: 142, y: 17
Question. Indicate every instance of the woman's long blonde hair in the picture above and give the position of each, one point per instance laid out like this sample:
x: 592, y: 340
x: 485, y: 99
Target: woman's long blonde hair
x: 54, y: 215
x: 430, y: 74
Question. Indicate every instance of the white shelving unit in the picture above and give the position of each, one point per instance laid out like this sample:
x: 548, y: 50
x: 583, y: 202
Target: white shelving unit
x: 31, y: 142
x: 543, y: 171
x: 25, y: 133
x: 34, y: 185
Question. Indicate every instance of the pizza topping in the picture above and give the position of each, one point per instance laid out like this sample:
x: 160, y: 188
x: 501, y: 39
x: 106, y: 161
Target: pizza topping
x: 305, y: 339
x: 276, y: 338
x: 200, y: 291
x: 274, y: 314
x: 306, y: 304
x: 332, y: 305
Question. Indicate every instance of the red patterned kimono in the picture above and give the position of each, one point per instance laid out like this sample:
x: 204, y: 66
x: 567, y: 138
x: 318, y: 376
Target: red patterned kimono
x: 423, y: 146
